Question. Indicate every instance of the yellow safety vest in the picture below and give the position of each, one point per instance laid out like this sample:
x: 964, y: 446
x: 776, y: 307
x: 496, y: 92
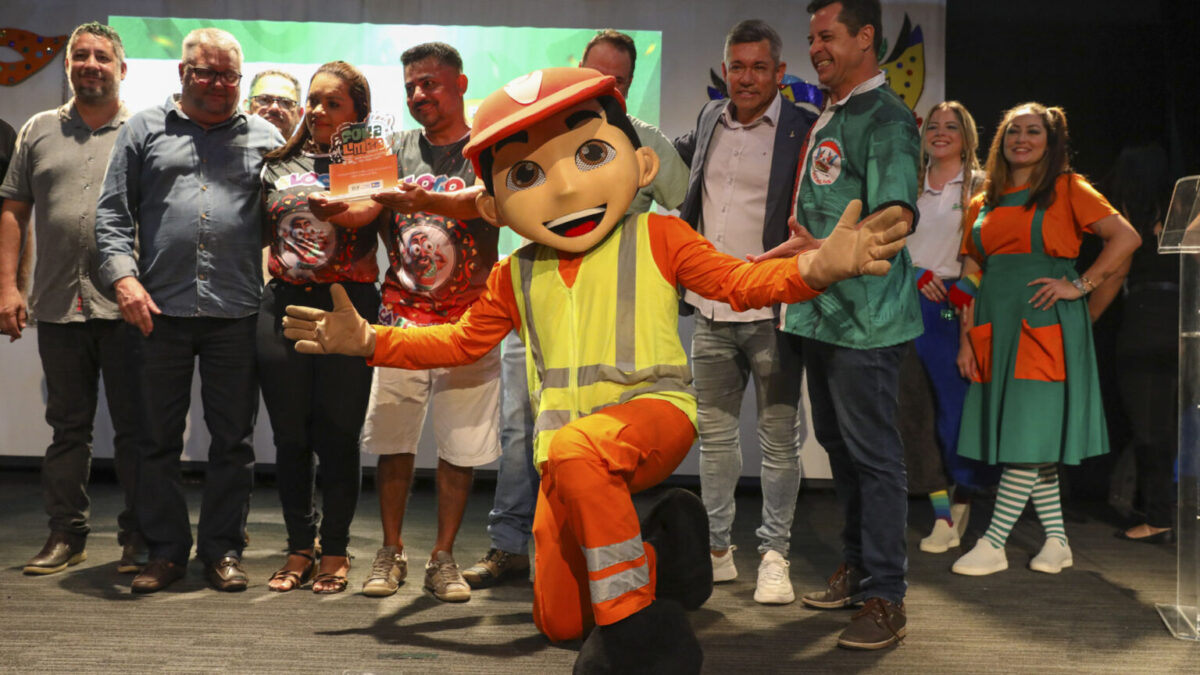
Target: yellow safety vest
x: 610, y: 338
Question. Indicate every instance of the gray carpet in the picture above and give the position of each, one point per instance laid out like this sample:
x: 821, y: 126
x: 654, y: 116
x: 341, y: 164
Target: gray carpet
x: 1096, y: 618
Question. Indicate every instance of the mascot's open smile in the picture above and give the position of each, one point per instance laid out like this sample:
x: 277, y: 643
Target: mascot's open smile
x: 578, y: 223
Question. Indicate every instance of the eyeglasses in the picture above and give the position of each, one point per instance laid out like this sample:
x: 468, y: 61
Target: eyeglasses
x: 227, y: 77
x: 267, y: 100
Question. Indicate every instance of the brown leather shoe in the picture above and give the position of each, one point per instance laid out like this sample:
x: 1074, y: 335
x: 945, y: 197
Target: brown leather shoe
x: 60, y: 551
x: 227, y: 575
x: 877, y: 625
x: 845, y: 588
x: 157, y: 575
x: 134, y: 554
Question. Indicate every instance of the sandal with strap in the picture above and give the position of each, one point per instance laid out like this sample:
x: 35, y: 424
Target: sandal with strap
x: 297, y: 579
x: 337, y: 582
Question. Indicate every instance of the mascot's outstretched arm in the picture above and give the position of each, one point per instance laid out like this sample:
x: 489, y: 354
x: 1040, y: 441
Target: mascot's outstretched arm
x: 341, y: 331
x: 855, y: 249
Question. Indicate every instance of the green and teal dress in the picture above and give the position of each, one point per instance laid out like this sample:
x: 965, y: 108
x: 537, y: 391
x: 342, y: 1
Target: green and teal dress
x: 1037, y: 397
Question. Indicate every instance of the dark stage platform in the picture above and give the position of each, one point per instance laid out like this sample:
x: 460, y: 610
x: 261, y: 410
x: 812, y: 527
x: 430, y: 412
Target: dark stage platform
x: 1096, y: 618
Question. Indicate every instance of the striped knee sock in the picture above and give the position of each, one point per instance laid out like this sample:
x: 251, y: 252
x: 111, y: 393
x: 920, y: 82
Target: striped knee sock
x: 1016, y: 483
x: 941, y: 506
x: 1048, y: 503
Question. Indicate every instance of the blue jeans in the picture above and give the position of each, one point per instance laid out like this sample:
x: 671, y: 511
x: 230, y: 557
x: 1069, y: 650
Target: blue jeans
x: 724, y: 355
x: 511, y: 518
x: 229, y: 392
x: 937, y: 348
x: 853, y: 398
x: 74, y: 356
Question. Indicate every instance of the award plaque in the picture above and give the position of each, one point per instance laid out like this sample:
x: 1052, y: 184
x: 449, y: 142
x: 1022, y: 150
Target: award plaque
x: 362, y: 161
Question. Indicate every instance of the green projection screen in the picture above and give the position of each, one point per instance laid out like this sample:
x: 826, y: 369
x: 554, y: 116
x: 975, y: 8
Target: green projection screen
x: 492, y: 55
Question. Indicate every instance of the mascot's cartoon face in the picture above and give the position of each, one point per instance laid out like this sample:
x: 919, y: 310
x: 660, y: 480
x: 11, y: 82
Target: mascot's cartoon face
x: 562, y: 175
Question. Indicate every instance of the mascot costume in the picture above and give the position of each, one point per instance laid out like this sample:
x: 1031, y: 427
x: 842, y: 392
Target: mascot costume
x: 594, y: 298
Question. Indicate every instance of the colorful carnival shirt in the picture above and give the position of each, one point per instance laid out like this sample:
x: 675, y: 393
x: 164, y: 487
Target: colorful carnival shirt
x: 865, y: 147
x: 304, y: 249
x: 438, y: 265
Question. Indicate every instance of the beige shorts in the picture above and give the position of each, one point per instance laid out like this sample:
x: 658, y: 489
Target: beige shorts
x: 466, y: 411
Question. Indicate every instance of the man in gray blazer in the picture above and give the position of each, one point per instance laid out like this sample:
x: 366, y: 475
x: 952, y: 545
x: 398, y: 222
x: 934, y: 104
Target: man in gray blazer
x: 743, y: 156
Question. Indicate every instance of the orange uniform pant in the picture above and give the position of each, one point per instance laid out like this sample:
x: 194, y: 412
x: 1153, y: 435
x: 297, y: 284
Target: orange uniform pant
x: 586, y: 531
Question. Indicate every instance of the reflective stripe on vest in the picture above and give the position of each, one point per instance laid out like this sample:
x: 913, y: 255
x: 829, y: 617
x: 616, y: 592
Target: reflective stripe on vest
x: 611, y: 337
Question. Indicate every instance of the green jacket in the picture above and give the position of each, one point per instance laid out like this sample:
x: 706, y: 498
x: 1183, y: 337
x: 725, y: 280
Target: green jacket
x: 868, y: 149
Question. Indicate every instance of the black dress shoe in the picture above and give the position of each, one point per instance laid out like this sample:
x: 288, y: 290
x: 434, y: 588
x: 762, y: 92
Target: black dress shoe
x: 227, y: 575
x: 158, y: 574
x: 60, y: 551
x: 1164, y: 537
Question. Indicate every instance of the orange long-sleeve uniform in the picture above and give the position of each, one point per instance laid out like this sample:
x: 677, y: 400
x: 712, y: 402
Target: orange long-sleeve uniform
x: 591, y: 564
x: 683, y: 257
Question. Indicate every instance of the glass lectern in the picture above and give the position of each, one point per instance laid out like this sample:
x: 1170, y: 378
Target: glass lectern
x: 1181, y: 235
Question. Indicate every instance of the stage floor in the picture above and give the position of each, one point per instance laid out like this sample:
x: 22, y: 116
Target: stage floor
x: 1098, y: 617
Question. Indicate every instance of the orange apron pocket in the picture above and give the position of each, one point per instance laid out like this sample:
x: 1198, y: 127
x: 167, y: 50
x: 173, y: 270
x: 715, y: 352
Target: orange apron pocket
x: 1040, y: 354
x: 981, y: 344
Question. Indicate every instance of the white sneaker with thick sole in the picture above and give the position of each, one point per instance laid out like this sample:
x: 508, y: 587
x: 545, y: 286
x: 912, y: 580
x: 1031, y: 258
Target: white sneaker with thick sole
x: 1053, y: 558
x: 982, y: 560
x: 942, y: 539
x: 723, y: 567
x: 774, y: 587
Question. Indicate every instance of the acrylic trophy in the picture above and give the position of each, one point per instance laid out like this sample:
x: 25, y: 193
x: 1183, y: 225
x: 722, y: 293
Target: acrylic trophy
x: 1181, y: 235
x: 362, y: 160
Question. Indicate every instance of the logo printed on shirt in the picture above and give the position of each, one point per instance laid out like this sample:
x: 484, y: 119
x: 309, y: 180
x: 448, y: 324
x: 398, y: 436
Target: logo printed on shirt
x: 826, y: 164
x: 427, y: 251
x: 432, y: 183
x: 308, y: 178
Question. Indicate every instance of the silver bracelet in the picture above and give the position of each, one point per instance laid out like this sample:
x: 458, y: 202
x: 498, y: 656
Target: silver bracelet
x: 1081, y: 285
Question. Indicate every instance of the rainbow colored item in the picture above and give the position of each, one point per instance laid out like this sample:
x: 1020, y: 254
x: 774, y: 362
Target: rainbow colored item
x: 963, y: 292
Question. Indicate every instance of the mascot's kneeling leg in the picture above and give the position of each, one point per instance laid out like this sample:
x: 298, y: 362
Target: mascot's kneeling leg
x: 677, y: 527
x: 659, y: 639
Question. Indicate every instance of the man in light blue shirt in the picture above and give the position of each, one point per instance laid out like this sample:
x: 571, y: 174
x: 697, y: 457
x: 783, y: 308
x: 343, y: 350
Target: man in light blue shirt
x: 183, y: 185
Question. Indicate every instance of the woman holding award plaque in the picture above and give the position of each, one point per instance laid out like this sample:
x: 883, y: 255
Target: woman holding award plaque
x: 316, y: 405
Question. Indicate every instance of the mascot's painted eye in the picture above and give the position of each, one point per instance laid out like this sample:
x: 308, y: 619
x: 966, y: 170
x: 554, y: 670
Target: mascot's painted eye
x: 593, y: 154
x: 524, y: 175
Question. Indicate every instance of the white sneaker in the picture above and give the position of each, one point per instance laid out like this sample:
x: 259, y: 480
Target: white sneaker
x: 723, y: 567
x: 774, y: 587
x: 942, y: 539
x: 1054, y: 556
x: 982, y: 560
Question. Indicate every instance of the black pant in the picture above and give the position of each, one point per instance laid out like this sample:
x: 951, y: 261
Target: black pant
x: 1148, y: 375
x: 317, y: 405
x: 74, y: 356
x: 229, y: 393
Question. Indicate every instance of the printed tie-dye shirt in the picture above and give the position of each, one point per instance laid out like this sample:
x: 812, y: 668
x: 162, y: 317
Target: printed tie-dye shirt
x: 305, y: 250
x: 438, y: 266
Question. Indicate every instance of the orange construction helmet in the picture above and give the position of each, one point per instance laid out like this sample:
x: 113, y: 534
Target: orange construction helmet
x: 530, y: 99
